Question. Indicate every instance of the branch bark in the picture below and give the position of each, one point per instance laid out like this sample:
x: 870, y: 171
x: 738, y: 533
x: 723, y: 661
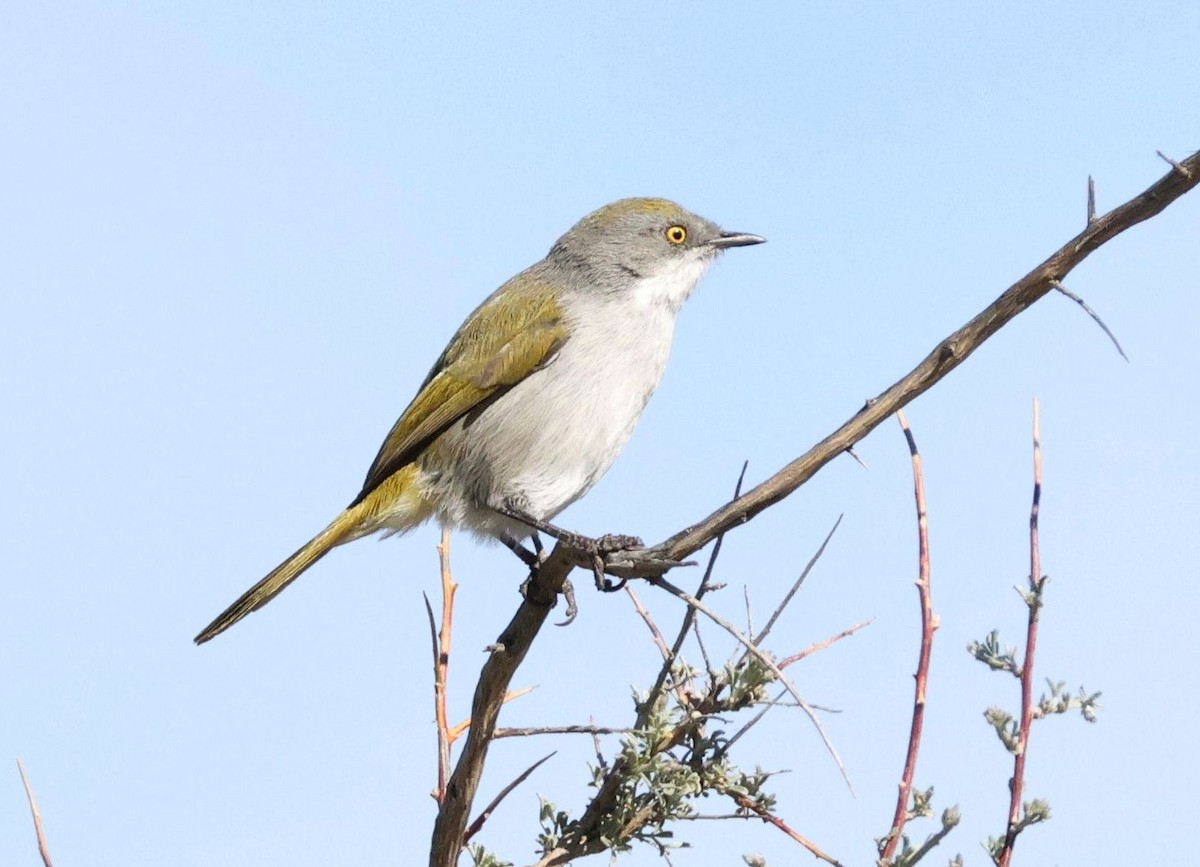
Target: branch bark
x: 543, y: 587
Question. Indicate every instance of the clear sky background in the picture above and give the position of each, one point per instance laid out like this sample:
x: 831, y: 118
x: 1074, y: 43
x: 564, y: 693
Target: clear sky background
x: 234, y: 236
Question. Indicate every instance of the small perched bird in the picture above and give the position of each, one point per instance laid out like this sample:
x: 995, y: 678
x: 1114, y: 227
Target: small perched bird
x: 536, y: 393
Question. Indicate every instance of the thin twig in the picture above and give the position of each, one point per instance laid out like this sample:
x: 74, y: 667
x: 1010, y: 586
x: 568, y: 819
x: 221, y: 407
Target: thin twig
x: 770, y: 818
x: 1092, y: 313
x: 766, y: 660
x: 891, y: 840
x: 474, y: 827
x: 724, y: 749
x: 934, y: 839
x: 685, y: 627
x: 457, y: 731
x: 443, y: 738
x: 38, y: 830
x: 821, y: 645
x: 708, y: 666
x: 659, y: 641
x: 1033, y: 599
x: 808, y: 567
x: 766, y: 706
x: 502, y: 732
x: 1091, y: 201
x: 441, y: 663
x: 1182, y: 169
x: 600, y: 760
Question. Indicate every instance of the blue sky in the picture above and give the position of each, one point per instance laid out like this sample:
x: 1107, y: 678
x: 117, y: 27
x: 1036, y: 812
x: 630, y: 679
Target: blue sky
x: 234, y: 238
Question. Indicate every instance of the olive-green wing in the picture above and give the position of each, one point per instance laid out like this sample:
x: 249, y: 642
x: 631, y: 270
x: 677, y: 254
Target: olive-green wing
x: 513, y: 333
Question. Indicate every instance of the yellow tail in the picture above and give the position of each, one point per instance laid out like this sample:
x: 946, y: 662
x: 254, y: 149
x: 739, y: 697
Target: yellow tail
x: 343, y: 529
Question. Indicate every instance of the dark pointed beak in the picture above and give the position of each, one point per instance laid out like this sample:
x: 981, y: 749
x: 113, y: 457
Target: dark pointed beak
x: 735, y: 239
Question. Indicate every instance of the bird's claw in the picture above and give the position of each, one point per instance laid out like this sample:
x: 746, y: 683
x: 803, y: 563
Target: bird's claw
x: 568, y: 592
x: 601, y: 550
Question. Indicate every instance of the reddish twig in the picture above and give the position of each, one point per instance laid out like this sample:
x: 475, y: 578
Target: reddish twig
x: 770, y: 818
x: 474, y: 827
x: 887, y: 849
x: 1033, y: 598
x: 38, y: 830
x: 441, y: 664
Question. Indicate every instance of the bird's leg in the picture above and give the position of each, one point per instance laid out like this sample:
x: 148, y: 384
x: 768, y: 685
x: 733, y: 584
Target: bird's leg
x: 596, y: 549
x: 568, y: 589
x: 533, y: 558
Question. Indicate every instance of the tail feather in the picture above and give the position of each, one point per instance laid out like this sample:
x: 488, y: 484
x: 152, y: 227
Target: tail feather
x: 341, y: 530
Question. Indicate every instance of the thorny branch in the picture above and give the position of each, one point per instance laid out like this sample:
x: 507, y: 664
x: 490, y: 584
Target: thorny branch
x: 890, y: 842
x: 1033, y: 599
x: 947, y: 355
x: 544, y: 586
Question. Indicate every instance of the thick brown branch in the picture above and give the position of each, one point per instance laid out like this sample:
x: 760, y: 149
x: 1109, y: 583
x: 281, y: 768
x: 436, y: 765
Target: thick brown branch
x: 504, y: 658
x: 946, y: 356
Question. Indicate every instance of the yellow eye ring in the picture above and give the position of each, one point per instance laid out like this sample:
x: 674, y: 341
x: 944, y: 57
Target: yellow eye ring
x: 676, y: 234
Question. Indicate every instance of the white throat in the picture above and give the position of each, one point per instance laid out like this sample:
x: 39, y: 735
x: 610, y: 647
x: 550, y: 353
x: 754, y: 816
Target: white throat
x: 671, y: 284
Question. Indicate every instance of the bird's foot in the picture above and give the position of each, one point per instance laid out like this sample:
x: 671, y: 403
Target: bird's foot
x: 599, y: 550
x: 611, y: 553
x: 568, y: 592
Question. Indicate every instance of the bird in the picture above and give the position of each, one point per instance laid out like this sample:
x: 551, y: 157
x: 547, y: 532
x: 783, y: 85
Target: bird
x: 535, y: 395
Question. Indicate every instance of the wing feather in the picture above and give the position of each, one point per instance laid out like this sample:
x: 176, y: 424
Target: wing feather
x: 510, y: 335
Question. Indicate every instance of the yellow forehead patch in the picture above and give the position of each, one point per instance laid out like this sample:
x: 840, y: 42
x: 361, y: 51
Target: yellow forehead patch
x: 656, y: 207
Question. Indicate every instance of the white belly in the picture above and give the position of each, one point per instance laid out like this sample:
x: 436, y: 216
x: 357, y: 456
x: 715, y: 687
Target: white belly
x: 545, y: 442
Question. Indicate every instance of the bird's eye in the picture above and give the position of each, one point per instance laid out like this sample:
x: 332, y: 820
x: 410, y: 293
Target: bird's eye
x: 676, y: 234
